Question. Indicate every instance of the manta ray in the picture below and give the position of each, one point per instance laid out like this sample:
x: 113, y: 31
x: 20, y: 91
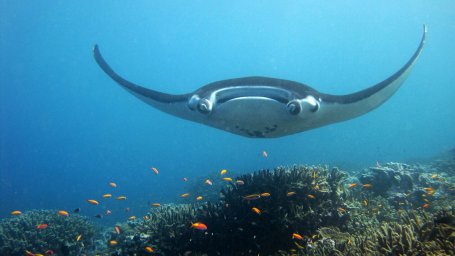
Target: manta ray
x: 264, y: 107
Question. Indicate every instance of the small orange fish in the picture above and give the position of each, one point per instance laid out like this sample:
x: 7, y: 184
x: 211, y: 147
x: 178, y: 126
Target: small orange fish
x: 113, y: 184
x: 78, y: 238
x: 297, y: 236
x: 185, y: 179
x: 117, y: 230
x: 15, y: 213
x: 155, y: 170
x: 341, y: 209
x: 63, y: 213
x: 185, y: 195
x: 208, y: 182
x: 107, y: 196
x: 42, y: 226
x: 113, y: 243
x: 264, y: 154
x: 240, y: 182
x: 290, y: 193
x: 310, y: 196
x: 353, y: 185
x: 92, y: 201
x: 256, y: 210
x: 265, y: 194
x: 132, y: 218
x: 430, y: 193
x: 367, y: 185
x: 426, y: 206
x: 251, y: 197
x: 121, y: 198
x: 223, y: 172
x: 199, y: 198
x: 365, y: 202
x: 156, y: 204
x: 199, y: 226
x: 149, y: 249
x: 227, y: 179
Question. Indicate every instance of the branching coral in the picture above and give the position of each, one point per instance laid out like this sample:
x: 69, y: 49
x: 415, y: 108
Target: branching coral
x: 298, y: 199
x: 20, y: 233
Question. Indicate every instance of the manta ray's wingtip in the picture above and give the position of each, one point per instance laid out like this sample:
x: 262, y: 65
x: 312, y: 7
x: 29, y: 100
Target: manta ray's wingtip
x: 96, y: 49
x: 424, y: 37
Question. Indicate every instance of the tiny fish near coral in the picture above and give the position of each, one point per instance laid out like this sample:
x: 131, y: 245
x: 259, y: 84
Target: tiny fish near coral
x: 256, y: 210
x: 353, y: 185
x: 251, y: 197
x: 297, y: 236
x: 42, y: 226
x: 63, y: 213
x: 290, y: 193
x: 92, y: 201
x: 199, y: 226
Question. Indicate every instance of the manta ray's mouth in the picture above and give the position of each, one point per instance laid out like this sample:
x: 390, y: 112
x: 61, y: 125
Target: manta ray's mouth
x: 273, y: 93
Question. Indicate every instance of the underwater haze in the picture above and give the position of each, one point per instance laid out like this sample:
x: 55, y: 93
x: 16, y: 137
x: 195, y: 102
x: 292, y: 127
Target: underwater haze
x: 67, y: 129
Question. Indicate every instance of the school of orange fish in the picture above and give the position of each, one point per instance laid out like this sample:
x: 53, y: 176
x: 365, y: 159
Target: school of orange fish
x: 199, y: 225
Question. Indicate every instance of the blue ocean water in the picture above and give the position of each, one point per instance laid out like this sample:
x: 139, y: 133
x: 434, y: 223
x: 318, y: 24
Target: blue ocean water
x: 67, y: 130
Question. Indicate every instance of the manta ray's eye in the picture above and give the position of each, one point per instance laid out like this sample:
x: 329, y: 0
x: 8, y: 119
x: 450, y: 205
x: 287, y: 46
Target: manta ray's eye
x: 205, y: 106
x: 293, y: 107
x: 193, y: 102
x: 310, y: 103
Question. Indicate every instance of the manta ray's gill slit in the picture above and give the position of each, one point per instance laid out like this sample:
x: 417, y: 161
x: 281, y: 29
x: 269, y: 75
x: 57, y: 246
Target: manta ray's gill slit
x: 257, y: 133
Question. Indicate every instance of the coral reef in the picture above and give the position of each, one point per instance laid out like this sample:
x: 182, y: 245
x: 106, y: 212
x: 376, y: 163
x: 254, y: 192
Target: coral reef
x: 298, y: 199
x: 21, y: 233
x: 260, y: 216
x: 416, y: 234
